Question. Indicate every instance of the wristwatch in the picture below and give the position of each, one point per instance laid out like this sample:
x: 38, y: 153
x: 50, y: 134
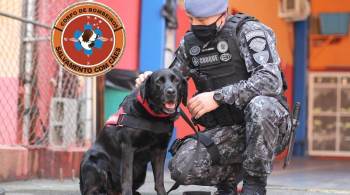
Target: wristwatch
x: 218, y: 97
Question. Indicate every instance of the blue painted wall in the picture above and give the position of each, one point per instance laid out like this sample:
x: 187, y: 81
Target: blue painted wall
x: 152, y: 40
x: 300, y: 82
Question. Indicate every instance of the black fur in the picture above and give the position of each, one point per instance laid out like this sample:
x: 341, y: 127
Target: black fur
x: 117, y: 162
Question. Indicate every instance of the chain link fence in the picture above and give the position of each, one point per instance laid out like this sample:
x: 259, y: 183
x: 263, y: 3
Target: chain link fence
x: 40, y: 103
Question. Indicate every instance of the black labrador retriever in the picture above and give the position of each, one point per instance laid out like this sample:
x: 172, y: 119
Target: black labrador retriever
x: 139, y: 133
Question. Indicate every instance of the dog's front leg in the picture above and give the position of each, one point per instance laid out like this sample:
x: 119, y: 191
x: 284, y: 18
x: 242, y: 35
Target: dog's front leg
x: 127, y: 159
x: 157, y: 161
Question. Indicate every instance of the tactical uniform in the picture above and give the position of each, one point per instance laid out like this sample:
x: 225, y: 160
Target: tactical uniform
x: 252, y: 123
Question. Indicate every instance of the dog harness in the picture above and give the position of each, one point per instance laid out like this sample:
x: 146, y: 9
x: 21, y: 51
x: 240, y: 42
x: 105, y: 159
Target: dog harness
x: 155, y: 122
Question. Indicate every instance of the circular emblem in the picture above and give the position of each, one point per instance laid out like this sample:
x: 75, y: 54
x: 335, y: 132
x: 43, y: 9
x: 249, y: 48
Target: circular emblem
x: 225, y: 57
x: 195, y: 61
x: 257, y: 44
x: 88, y: 39
x: 195, y: 50
x: 222, y: 46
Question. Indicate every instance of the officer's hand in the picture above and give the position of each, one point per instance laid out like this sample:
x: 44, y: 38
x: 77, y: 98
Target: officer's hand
x: 201, y: 104
x: 141, y: 78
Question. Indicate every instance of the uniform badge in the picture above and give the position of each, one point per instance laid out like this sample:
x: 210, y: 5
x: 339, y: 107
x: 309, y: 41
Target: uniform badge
x: 222, y: 46
x: 195, y: 50
x: 195, y: 61
x: 254, y: 33
x: 257, y: 44
x: 225, y: 57
x: 261, y: 57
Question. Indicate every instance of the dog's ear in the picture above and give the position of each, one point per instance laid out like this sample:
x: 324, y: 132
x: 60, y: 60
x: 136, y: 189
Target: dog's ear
x: 184, y: 90
x: 145, y: 88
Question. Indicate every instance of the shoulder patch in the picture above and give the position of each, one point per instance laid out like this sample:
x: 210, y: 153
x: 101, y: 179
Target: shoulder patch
x: 257, y: 44
x: 254, y: 33
x: 262, y: 57
x: 258, y: 47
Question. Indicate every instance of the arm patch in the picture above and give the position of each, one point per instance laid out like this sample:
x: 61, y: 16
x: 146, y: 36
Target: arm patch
x: 258, y: 47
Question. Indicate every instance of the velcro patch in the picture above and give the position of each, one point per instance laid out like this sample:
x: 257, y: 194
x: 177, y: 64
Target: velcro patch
x: 254, y: 33
x: 258, y: 47
x: 257, y: 44
x: 206, y: 60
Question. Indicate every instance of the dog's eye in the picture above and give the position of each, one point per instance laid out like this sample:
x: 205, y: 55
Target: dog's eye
x: 160, y: 80
x: 174, y: 79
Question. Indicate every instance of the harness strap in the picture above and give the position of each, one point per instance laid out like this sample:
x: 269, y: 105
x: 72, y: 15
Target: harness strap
x: 144, y: 124
x: 201, y: 138
x: 205, y: 140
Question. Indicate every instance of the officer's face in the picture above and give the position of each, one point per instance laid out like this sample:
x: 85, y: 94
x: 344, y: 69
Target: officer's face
x: 208, y: 20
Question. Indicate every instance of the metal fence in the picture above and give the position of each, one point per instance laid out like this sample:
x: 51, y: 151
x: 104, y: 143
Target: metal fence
x: 40, y: 103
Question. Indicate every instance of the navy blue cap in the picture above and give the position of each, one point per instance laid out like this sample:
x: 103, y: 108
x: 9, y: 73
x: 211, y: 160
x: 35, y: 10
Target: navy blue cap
x: 205, y: 8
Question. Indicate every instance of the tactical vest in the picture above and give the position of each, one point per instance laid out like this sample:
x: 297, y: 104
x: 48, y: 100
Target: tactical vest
x: 217, y: 64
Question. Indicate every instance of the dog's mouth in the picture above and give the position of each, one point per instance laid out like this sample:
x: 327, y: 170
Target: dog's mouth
x: 169, y: 107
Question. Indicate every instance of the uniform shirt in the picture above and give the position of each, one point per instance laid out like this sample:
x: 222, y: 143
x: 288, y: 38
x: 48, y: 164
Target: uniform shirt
x: 257, y: 44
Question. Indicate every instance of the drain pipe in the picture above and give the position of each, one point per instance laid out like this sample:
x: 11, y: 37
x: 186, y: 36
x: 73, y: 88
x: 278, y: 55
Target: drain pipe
x: 28, y: 53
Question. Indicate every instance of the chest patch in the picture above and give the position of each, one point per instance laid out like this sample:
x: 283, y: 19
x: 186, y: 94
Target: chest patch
x: 195, y: 50
x: 205, y: 60
x: 222, y: 47
x: 225, y: 57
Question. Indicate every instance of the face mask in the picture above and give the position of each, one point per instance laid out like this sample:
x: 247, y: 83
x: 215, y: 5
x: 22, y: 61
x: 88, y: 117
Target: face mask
x: 206, y: 33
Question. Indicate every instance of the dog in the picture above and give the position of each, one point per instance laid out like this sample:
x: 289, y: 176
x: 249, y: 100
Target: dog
x: 87, y: 39
x: 138, y: 134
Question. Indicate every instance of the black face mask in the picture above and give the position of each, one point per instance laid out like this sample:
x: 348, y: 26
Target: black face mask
x: 206, y: 33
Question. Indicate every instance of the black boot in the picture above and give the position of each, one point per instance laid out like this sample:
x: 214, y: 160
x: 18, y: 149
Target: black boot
x: 254, y: 185
x: 227, y: 188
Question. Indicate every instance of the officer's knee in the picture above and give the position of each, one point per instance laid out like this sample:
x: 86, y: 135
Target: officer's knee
x: 260, y: 108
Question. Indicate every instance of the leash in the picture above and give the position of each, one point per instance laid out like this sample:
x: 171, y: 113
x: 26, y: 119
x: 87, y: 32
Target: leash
x: 196, y: 131
x: 189, y: 122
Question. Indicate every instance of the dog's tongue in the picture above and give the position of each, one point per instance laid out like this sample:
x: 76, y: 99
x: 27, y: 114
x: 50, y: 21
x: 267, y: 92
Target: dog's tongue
x: 170, y: 105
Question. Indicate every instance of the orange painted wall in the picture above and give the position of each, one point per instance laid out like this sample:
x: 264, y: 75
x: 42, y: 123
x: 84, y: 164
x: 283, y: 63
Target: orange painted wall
x: 330, y: 56
x: 267, y: 12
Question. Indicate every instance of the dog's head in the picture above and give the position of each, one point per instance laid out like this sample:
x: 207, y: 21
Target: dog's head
x: 164, y: 90
x: 94, y: 178
x: 87, y: 39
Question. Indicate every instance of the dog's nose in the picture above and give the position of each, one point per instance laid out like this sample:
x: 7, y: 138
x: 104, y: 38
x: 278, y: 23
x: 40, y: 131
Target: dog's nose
x: 170, y: 91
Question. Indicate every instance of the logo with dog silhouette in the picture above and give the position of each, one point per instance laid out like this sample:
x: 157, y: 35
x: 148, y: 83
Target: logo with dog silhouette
x: 88, y: 39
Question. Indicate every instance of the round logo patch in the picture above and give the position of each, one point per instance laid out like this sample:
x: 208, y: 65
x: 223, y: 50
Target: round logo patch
x: 195, y: 50
x: 225, y: 57
x: 88, y: 39
x: 222, y: 46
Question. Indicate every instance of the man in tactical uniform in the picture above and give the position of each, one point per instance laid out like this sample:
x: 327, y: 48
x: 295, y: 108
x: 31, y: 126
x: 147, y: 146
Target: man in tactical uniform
x: 234, y: 63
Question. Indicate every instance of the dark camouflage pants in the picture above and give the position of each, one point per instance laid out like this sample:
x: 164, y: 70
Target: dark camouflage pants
x: 249, y: 149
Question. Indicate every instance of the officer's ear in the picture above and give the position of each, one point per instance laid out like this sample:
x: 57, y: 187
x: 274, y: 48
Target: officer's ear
x: 184, y: 90
x: 145, y: 88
